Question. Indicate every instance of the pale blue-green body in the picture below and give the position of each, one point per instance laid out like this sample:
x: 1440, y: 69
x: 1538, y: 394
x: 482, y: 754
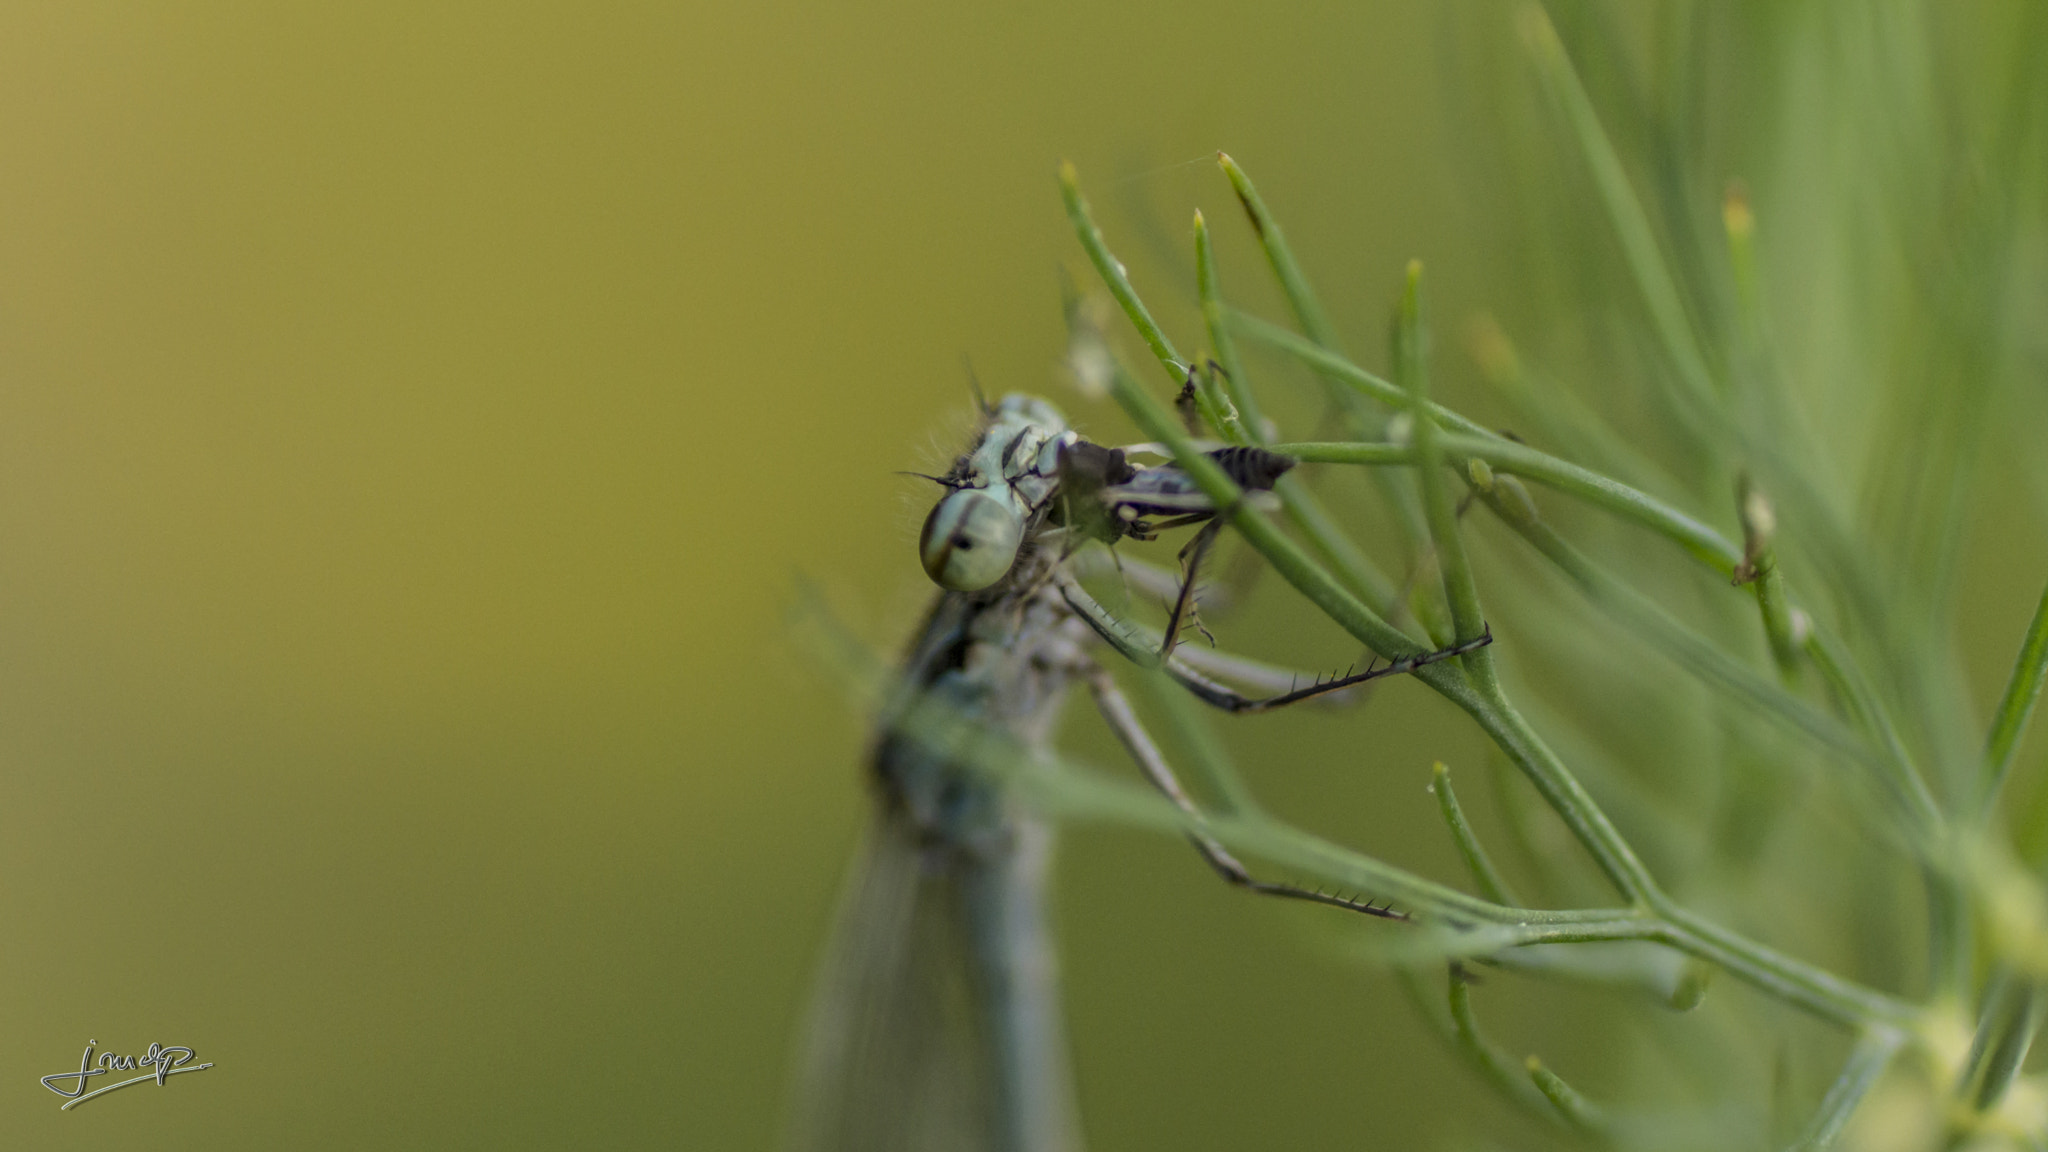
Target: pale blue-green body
x: 938, y: 1021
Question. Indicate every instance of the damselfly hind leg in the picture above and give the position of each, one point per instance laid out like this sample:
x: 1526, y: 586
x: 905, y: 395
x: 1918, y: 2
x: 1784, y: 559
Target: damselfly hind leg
x: 1123, y: 721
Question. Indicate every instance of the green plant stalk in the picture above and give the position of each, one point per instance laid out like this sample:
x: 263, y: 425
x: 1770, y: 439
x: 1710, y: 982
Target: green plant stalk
x: 2013, y: 1008
x: 1860, y: 703
x: 1112, y: 272
x: 1300, y: 297
x: 1468, y: 619
x: 1215, y: 408
x: 1701, y: 541
x: 2016, y: 707
x: 1353, y: 568
x: 1503, y: 1070
x: 1308, y: 577
x: 1334, y: 366
x: 1866, y: 1063
x: 1492, y: 884
x: 1776, y: 615
x: 1631, y: 224
x: 1948, y: 918
x: 1314, y: 322
x: 1799, y: 983
x: 1646, y: 263
x: 1251, y: 428
x: 1577, y: 1111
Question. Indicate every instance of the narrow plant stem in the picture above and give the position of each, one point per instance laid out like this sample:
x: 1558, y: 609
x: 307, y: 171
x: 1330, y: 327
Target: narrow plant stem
x: 1559, y: 789
x: 1336, y: 548
x: 1577, y: 1111
x: 1362, y: 423
x: 2016, y: 707
x: 1112, y: 272
x: 1870, y: 711
x: 1709, y: 546
x: 1776, y: 614
x: 1333, y: 365
x: 1702, y: 542
x: 1492, y: 884
x: 1239, y: 386
x: 1468, y: 620
x: 2013, y: 1007
x: 1659, y: 289
x: 1863, y: 708
x: 1813, y: 989
x: 1948, y: 905
x: 1948, y: 930
x: 1817, y: 990
x: 1503, y: 1070
x: 1351, y: 565
x: 1300, y: 297
x: 1867, y: 1061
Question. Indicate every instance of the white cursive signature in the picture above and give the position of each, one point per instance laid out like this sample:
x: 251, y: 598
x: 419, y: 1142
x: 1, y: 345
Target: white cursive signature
x: 167, y: 1060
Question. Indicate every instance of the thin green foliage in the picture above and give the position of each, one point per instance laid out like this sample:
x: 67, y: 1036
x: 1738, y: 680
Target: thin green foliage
x: 2016, y: 706
x: 1818, y: 991
x: 1492, y: 884
x: 1802, y: 645
x: 1724, y: 551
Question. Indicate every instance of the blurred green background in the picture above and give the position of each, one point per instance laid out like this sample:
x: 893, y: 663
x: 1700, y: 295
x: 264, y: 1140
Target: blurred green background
x: 413, y: 422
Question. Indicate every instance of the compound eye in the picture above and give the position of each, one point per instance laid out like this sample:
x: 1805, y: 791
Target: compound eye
x: 970, y: 540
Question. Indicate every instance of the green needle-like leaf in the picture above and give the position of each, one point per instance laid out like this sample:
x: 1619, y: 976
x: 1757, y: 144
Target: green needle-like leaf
x: 2016, y: 706
x: 1492, y: 884
x: 1308, y: 311
x: 1460, y: 590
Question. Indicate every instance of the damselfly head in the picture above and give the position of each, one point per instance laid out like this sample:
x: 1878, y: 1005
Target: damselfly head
x: 971, y: 538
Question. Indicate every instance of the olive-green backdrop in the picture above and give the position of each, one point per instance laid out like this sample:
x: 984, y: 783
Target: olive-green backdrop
x: 415, y: 421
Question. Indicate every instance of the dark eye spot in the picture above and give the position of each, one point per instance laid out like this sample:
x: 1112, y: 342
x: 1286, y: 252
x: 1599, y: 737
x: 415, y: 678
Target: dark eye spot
x: 963, y: 543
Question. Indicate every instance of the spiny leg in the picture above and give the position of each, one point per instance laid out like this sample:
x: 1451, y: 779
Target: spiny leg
x: 1117, y: 713
x: 1209, y: 692
x: 1140, y: 650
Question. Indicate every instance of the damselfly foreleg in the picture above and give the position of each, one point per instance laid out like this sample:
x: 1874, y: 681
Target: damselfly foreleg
x: 1218, y: 695
x: 1211, y: 693
x: 1184, y: 609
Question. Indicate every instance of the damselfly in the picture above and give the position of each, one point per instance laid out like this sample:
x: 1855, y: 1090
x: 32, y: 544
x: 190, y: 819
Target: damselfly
x: 938, y: 1021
